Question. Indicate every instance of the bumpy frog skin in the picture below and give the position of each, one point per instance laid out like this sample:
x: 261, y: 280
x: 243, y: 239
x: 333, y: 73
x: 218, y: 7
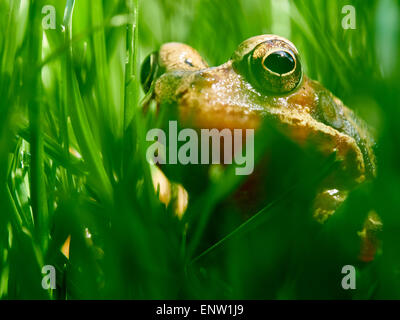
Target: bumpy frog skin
x: 264, y: 79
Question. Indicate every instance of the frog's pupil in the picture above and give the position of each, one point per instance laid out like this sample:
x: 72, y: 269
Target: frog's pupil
x: 280, y: 62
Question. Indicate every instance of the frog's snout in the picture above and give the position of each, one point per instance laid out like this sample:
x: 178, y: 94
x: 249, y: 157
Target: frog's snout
x: 172, y: 56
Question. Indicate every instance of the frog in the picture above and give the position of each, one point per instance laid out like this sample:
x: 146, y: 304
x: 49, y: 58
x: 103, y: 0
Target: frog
x: 263, y: 79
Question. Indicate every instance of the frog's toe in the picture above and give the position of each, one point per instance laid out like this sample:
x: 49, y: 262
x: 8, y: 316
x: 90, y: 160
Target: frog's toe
x: 170, y: 193
x: 327, y: 202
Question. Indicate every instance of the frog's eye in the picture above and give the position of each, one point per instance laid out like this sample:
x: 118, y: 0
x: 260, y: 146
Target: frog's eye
x: 149, y: 71
x: 272, y: 66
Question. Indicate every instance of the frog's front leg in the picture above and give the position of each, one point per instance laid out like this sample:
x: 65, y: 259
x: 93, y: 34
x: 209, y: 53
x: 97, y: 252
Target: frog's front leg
x: 351, y: 170
x: 169, y: 193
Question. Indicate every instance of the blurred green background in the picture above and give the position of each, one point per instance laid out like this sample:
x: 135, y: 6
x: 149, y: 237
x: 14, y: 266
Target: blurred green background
x: 72, y: 156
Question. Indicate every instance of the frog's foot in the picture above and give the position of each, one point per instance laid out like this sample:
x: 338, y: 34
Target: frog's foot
x: 370, y: 237
x: 326, y: 203
x: 169, y: 193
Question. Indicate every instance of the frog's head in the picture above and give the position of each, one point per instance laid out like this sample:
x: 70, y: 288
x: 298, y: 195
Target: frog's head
x: 233, y: 95
x: 263, y: 79
x: 270, y: 63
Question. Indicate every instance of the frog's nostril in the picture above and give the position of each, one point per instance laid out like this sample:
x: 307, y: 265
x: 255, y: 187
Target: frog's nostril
x: 280, y: 62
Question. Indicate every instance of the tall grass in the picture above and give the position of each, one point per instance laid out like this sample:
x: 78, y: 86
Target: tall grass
x: 72, y: 156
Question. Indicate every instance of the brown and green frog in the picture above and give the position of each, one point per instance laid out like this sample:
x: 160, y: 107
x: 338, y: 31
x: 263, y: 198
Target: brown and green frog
x: 263, y: 79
